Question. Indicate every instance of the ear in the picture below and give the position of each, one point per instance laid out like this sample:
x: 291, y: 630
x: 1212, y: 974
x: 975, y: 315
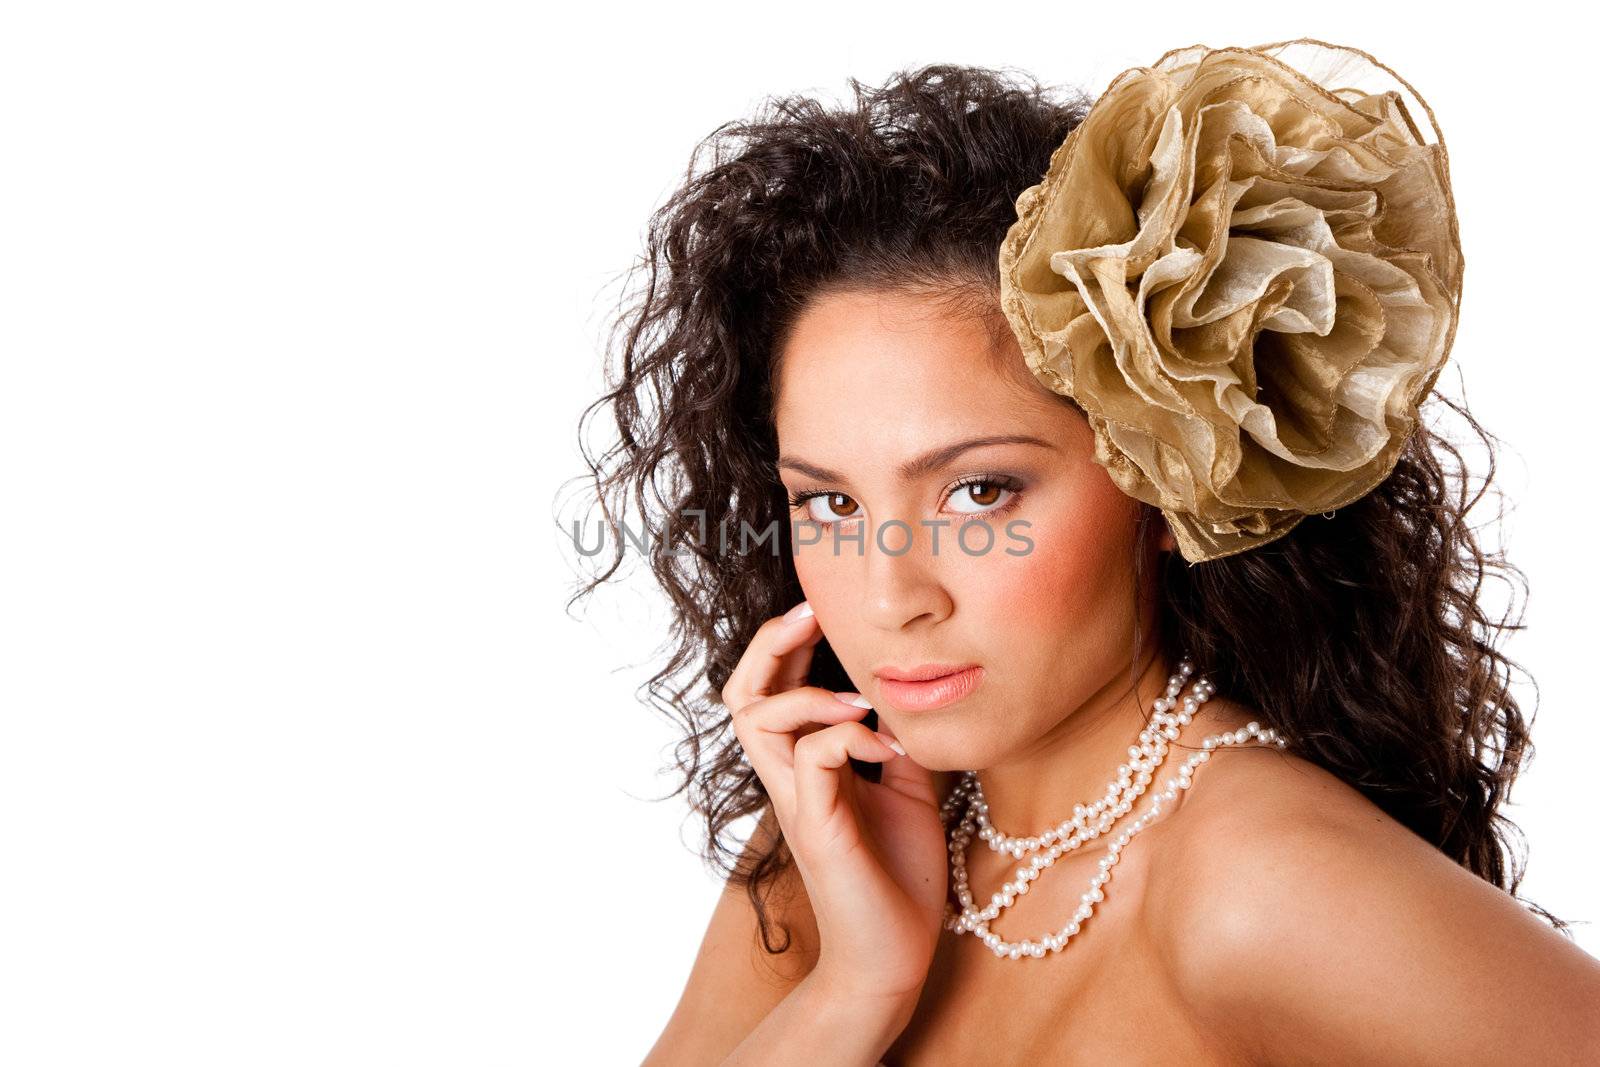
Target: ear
x: 1153, y: 524
x: 1167, y: 543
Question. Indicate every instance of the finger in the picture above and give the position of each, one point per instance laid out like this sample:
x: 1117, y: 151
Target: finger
x: 794, y: 668
x: 908, y: 777
x: 769, y: 725
x: 818, y: 759
x: 777, y: 658
x: 766, y: 730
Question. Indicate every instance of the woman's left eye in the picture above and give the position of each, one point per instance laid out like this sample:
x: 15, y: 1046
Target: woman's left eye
x: 984, y: 493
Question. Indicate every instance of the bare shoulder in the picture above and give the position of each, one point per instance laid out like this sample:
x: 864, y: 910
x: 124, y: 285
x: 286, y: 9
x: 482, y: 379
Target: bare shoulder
x: 735, y: 982
x: 1296, y: 915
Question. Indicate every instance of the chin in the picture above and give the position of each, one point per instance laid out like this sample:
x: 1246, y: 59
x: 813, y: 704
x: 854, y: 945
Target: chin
x: 951, y: 740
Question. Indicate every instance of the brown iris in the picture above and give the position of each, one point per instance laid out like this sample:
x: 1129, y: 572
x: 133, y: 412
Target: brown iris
x: 839, y: 510
x: 992, y: 495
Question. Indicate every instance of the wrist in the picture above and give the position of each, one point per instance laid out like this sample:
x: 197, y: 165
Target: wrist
x: 851, y: 1002
x: 819, y: 1022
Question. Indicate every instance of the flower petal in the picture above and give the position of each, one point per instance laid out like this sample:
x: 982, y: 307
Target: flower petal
x: 1247, y: 280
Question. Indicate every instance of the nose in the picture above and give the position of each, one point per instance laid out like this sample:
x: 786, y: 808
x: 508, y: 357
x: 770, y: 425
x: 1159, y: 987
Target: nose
x: 901, y: 586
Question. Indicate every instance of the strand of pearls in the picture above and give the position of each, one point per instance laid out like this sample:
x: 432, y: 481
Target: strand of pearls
x: 1087, y: 822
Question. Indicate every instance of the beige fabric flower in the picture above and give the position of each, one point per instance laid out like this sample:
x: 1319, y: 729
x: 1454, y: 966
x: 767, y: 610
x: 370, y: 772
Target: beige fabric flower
x: 1248, y: 280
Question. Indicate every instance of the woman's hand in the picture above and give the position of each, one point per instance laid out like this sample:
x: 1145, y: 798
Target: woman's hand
x: 872, y: 854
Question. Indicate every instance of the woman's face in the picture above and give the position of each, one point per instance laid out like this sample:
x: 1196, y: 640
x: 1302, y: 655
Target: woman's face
x: 874, y: 382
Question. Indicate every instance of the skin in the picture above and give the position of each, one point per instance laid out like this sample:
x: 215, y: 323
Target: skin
x: 1272, y: 915
x: 870, y: 380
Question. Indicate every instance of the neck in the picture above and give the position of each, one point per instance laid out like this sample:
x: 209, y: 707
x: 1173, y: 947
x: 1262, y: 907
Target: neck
x: 1074, y: 761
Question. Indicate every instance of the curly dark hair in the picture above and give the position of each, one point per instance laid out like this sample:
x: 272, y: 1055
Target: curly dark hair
x: 1377, y: 659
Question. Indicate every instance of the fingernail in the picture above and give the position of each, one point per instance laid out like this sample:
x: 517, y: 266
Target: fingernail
x: 891, y: 742
x: 800, y: 611
x: 855, y: 700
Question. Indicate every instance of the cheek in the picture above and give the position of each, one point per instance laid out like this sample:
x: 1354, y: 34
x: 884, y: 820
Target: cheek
x: 1077, y: 578
x: 827, y: 578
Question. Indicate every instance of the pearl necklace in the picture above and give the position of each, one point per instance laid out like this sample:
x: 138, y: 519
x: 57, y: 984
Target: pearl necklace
x: 1087, y: 822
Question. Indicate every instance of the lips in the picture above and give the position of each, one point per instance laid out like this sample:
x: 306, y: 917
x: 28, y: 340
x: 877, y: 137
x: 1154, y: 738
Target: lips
x: 929, y: 686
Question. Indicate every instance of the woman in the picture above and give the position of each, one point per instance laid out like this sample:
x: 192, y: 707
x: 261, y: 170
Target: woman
x: 1111, y: 487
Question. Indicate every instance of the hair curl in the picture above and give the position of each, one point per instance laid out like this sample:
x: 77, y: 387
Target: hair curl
x: 1377, y: 659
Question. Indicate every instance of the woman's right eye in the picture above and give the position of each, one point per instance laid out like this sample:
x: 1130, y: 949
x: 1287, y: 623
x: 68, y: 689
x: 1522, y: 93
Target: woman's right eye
x: 837, y: 507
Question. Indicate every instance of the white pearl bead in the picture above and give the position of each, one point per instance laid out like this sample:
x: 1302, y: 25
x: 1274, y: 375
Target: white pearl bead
x: 1087, y: 822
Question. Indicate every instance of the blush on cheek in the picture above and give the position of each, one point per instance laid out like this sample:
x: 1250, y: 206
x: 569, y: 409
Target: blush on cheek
x: 1077, y: 578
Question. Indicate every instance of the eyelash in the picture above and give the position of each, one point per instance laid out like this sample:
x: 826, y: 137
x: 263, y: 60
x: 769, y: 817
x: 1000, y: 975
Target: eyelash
x: 1001, y: 481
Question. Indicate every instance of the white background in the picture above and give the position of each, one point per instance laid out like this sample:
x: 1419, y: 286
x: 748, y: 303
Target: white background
x: 302, y: 759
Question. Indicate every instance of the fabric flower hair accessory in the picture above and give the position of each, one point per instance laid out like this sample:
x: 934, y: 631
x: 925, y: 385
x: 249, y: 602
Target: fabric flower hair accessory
x: 1247, y: 272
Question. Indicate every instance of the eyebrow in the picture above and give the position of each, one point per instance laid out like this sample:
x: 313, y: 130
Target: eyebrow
x: 923, y: 464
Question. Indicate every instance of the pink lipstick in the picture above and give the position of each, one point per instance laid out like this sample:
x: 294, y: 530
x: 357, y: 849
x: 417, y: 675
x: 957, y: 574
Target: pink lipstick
x: 929, y: 686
